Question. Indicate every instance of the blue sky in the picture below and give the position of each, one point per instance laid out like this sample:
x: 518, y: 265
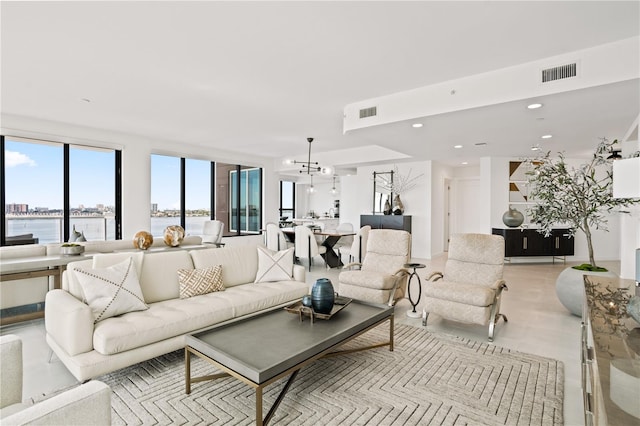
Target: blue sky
x: 34, y: 176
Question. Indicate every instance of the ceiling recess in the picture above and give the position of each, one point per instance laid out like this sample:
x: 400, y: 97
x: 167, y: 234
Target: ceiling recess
x: 560, y: 72
x: 368, y: 112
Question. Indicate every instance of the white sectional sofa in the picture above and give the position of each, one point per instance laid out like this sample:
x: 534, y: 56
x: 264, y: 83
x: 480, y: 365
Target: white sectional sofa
x: 89, y: 350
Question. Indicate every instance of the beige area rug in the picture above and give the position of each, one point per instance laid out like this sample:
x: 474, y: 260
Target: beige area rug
x: 429, y: 379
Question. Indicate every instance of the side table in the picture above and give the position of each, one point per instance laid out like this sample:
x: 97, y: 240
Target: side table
x: 412, y: 312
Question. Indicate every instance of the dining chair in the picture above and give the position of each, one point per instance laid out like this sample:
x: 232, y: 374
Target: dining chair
x: 306, y: 246
x: 347, y: 240
x: 358, y: 248
x: 275, y: 239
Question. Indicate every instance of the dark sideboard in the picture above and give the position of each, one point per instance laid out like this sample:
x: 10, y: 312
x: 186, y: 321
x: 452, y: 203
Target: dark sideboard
x: 380, y: 221
x: 529, y: 242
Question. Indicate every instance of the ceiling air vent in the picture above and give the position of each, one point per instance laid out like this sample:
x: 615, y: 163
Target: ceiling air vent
x: 368, y: 112
x: 558, y: 73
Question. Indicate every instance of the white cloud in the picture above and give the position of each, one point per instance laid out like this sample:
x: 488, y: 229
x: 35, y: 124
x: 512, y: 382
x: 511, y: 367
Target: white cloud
x: 14, y: 158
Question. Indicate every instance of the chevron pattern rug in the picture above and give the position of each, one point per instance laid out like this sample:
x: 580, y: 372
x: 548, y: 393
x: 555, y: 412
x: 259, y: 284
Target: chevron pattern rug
x: 429, y: 379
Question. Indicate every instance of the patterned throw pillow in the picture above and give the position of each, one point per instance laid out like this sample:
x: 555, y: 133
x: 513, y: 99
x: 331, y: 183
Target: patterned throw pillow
x: 194, y: 282
x: 274, y: 266
x: 112, y: 291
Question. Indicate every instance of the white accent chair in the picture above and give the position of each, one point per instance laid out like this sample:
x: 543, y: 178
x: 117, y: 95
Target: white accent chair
x: 306, y: 246
x: 470, y: 288
x: 275, y: 239
x: 87, y: 404
x: 382, y: 277
x: 358, y: 248
x: 212, y: 232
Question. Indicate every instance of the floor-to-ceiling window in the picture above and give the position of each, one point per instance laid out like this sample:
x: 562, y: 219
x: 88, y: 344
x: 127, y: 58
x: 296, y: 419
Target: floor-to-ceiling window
x: 287, y: 199
x: 245, y: 197
x: 166, y: 172
x: 50, y: 187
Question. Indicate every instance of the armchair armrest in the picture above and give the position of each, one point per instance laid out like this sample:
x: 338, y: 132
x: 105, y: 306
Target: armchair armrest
x: 500, y: 285
x: 399, y: 274
x: 435, y: 276
x: 87, y: 404
x: 69, y: 322
x: 352, y: 264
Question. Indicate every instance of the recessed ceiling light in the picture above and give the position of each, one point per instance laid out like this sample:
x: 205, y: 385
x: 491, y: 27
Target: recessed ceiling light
x: 416, y: 125
x: 85, y: 100
x: 546, y: 136
x: 535, y: 148
x: 464, y: 163
x: 534, y: 106
x: 457, y: 146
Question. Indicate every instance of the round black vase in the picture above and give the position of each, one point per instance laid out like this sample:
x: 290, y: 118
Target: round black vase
x: 322, y: 296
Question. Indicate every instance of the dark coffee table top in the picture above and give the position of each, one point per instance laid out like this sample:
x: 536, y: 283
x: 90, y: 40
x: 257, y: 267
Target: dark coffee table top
x: 261, y: 347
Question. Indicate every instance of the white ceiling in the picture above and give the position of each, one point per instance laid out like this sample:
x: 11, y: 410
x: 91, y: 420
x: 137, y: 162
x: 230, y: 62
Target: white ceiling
x: 261, y: 77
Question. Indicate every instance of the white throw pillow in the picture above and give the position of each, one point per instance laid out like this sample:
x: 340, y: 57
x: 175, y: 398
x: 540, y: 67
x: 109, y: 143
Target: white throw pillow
x: 112, y: 291
x: 194, y: 282
x: 274, y: 266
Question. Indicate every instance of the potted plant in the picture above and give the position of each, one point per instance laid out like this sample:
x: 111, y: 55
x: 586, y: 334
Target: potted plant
x: 579, y: 197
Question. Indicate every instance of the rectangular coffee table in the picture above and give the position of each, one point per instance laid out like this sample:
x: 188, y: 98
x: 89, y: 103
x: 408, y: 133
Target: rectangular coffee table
x: 265, y: 348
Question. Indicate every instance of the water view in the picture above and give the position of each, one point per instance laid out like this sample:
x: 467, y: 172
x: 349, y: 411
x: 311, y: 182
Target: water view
x: 49, y: 229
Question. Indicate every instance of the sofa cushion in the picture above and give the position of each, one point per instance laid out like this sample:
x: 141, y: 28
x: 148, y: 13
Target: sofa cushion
x: 274, y: 265
x: 246, y: 299
x: 159, y: 280
x: 161, y: 321
x: 110, y: 259
x: 239, y: 264
x: 112, y: 291
x: 194, y: 282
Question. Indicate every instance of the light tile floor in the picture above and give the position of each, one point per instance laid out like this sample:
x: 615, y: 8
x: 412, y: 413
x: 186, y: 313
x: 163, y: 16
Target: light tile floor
x: 538, y: 324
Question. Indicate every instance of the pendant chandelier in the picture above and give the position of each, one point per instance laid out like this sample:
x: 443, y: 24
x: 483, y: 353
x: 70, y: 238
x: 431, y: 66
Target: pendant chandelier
x: 309, y: 167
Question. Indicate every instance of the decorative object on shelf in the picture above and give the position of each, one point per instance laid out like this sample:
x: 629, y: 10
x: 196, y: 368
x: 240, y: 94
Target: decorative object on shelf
x: 512, y: 218
x: 396, y: 183
x: 173, y: 235
x: 71, y: 249
x: 579, y: 197
x: 81, y: 238
x: 398, y: 207
x: 322, y: 296
x: 74, y: 235
x: 142, y: 240
x: 387, y: 207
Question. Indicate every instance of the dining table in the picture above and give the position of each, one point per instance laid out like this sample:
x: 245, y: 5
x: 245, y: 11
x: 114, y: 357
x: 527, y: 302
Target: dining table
x: 331, y: 237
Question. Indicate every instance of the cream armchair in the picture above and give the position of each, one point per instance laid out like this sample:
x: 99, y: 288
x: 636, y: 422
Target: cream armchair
x: 381, y: 277
x: 87, y: 404
x: 471, y: 286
